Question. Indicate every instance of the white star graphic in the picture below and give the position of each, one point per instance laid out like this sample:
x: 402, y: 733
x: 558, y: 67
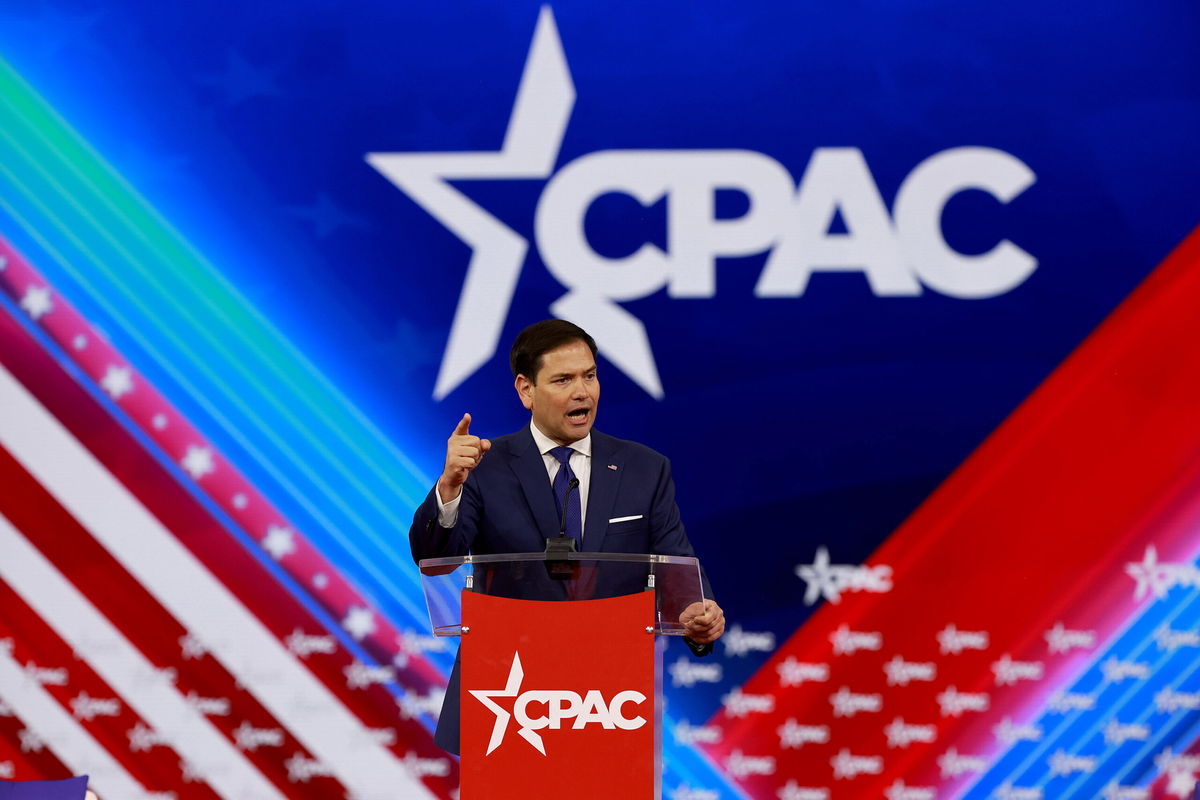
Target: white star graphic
x: 117, y: 381
x: 359, y: 622
x: 36, y: 301
x: 198, y: 461
x: 3, y: 262
x: 819, y: 578
x: 191, y: 647
x: 511, y: 689
x: 539, y: 118
x: 30, y: 741
x: 279, y: 541
x: 240, y: 501
x: 159, y: 421
x: 79, y: 342
x: 1149, y: 574
x: 1181, y: 782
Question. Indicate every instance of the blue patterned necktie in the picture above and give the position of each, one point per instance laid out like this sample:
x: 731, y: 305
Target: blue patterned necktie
x: 562, y: 480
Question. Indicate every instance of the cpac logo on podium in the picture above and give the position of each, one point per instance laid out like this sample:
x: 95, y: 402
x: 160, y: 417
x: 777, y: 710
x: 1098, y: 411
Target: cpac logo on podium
x: 557, y: 708
x: 900, y: 253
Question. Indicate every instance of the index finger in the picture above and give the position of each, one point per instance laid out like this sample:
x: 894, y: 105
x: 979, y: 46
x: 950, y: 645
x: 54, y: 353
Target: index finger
x: 464, y: 426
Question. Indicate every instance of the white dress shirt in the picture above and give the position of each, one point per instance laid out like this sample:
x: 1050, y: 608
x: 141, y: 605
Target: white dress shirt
x: 581, y: 465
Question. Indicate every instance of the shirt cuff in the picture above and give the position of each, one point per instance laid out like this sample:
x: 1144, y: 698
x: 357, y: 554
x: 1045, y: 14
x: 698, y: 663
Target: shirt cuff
x: 447, y: 512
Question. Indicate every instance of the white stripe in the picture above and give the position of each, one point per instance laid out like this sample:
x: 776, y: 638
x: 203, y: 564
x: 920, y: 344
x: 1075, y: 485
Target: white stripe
x: 65, y: 737
x: 247, y: 649
x: 126, y: 670
x: 624, y: 519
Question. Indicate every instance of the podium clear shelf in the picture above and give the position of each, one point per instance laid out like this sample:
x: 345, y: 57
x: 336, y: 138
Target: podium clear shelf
x: 675, y: 581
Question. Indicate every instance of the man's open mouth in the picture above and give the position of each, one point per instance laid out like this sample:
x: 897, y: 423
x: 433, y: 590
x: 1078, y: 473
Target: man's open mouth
x: 578, y: 413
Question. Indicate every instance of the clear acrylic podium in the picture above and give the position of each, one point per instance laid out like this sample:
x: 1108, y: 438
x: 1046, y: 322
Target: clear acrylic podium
x: 560, y: 672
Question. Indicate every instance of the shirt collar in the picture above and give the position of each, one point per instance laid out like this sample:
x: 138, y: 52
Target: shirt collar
x: 545, y: 444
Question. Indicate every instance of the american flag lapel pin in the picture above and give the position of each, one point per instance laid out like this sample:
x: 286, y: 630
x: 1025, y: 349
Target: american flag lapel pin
x: 612, y: 466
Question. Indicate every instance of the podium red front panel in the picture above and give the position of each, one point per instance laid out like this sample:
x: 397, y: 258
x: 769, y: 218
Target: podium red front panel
x: 558, y: 698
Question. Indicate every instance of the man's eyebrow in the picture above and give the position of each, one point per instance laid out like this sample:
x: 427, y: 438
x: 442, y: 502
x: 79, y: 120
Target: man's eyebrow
x: 584, y: 371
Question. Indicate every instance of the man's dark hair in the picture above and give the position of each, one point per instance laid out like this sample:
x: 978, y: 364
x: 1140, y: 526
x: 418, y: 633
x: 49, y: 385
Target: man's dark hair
x: 540, y: 338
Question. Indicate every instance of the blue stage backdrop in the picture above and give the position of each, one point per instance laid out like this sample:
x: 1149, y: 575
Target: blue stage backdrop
x: 904, y: 290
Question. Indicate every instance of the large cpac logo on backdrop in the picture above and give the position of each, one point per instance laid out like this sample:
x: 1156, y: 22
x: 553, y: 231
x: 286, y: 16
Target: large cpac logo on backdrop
x: 899, y: 253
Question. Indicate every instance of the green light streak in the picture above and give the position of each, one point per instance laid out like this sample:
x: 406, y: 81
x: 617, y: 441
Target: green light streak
x: 384, y: 579
x: 196, y: 279
x: 184, y: 345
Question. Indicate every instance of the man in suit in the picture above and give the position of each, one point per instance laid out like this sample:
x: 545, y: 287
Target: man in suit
x: 510, y: 494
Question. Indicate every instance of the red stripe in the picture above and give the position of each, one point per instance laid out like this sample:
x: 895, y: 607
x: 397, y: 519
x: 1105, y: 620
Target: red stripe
x: 27, y: 766
x: 153, y: 631
x: 35, y: 643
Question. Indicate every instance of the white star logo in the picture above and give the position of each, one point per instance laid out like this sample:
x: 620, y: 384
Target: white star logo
x: 117, y: 381
x: 359, y: 622
x: 36, y: 302
x: 1149, y: 574
x: 511, y: 689
x: 279, y: 541
x: 198, y: 461
x: 535, y: 130
x: 545, y: 99
x: 819, y: 578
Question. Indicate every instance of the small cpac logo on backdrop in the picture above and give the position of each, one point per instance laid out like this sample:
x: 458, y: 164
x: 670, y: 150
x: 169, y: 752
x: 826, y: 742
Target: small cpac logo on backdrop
x: 900, y: 252
x: 831, y: 580
x: 560, y: 706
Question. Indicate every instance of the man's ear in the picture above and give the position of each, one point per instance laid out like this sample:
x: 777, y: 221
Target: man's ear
x: 524, y: 389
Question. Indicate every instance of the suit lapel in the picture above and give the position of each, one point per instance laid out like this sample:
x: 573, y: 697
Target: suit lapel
x: 530, y: 469
x: 602, y: 492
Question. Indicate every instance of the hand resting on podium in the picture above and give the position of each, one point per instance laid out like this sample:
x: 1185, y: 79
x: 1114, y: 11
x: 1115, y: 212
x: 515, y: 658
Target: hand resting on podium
x: 704, y: 622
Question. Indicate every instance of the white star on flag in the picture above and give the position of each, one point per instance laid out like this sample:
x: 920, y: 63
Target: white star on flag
x: 30, y: 741
x: 1181, y: 782
x: 191, y: 647
x: 79, y: 342
x: 198, y: 461
x: 279, y: 542
x: 159, y: 421
x: 117, y: 381
x: 36, y: 301
x: 359, y: 622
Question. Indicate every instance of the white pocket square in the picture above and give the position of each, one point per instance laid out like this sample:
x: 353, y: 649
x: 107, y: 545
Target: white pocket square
x: 624, y: 519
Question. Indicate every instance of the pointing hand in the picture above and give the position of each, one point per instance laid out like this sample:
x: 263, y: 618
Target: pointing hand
x: 463, y: 454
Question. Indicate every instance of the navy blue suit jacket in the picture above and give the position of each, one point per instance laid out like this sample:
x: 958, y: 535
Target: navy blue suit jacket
x: 508, y: 506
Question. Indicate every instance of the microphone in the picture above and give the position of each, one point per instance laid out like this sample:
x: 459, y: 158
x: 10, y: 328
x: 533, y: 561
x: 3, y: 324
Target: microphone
x: 558, y: 563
